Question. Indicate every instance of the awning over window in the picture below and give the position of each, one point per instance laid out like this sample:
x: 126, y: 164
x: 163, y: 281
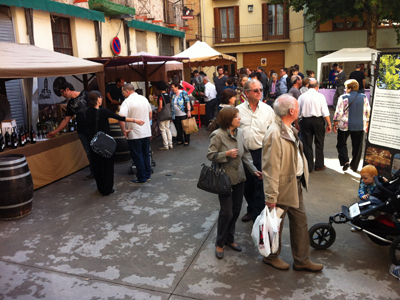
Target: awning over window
x: 56, y: 7
x: 155, y: 28
x: 110, y: 8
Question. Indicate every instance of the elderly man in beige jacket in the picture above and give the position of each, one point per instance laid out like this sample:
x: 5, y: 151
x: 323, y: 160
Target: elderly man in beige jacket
x: 285, y: 171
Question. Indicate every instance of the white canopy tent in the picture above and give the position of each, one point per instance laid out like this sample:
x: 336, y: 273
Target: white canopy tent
x: 202, y: 55
x: 345, y: 55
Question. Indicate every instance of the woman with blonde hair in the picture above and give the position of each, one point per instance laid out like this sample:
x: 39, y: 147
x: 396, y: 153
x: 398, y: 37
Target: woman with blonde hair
x: 351, y: 119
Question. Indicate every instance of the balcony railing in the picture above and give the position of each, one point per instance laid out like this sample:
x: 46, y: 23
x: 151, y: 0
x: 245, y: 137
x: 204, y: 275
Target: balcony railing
x: 251, y: 33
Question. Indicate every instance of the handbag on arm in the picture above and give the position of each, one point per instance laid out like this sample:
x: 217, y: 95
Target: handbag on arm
x: 165, y: 113
x: 214, y: 180
x: 102, y: 144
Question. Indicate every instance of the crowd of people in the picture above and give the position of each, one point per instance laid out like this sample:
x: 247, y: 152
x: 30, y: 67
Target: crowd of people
x: 271, y: 129
x: 265, y: 127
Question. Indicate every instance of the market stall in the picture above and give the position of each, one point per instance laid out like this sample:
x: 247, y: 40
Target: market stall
x: 55, y: 158
x: 149, y: 68
x: 200, y: 54
x: 349, y: 57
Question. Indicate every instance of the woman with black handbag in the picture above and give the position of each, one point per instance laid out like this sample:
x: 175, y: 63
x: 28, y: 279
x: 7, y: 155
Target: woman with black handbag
x: 97, y: 120
x: 164, y: 114
x: 227, y: 148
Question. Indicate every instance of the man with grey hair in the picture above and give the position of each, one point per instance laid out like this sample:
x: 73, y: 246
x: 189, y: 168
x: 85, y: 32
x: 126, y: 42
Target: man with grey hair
x: 314, y: 113
x: 284, y: 168
x: 296, y: 85
x: 137, y: 107
x: 210, y: 98
x: 256, y: 117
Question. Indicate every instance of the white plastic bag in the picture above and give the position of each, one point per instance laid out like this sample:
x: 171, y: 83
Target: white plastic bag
x: 172, y: 127
x: 260, y: 234
x: 273, y: 225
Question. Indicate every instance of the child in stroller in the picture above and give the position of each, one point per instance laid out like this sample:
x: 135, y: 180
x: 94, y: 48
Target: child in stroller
x: 367, y: 185
x: 378, y: 216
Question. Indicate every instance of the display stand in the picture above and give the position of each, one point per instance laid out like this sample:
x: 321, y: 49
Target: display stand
x: 53, y: 159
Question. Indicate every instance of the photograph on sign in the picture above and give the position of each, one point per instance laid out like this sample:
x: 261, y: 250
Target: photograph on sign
x: 383, y: 143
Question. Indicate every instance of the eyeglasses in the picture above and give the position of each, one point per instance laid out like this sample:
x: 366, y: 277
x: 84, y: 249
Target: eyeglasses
x: 256, y: 90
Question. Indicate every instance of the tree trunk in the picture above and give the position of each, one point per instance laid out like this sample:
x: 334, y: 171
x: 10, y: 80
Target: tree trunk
x: 372, y: 27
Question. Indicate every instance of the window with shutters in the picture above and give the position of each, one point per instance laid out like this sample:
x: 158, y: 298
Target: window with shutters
x: 275, y: 21
x: 226, y: 22
x: 61, y: 30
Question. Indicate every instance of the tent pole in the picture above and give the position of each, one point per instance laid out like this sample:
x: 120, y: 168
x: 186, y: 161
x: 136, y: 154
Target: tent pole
x: 146, y: 80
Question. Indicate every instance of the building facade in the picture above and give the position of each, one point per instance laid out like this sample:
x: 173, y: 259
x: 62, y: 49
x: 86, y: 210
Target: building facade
x: 76, y: 29
x: 257, y: 33
x: 344, y: 33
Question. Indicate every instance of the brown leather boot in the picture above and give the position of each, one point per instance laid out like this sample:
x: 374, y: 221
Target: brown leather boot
x: 308, y: 266
x: 276, y: 262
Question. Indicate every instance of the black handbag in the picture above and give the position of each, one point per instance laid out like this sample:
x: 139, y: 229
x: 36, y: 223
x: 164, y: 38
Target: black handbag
x: 165, y: 113
x: 214, y: 180
x: 102, y: 144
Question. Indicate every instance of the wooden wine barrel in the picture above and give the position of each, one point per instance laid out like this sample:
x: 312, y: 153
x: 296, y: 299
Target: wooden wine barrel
x: 122, y: 153
x: 16, y: 187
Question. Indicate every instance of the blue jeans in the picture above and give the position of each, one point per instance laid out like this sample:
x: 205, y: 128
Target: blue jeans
x: 86, y: 146
x: 140, y: 154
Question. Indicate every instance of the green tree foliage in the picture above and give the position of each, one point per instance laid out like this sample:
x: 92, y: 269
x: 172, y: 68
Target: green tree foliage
x: 389, y: 70
x: 321, y: 11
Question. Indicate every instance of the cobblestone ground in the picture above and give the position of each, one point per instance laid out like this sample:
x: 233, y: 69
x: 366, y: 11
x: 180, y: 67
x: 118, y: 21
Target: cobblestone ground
x: 157, y: 241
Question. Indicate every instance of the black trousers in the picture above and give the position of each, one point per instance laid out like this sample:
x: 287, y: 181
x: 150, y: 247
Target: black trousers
x: 357, y: 138
x: 338, y: 93
x: 228, y: 215
x: 181, y: 135
x: 103, y: 170
x: 254, y: 188
x: 210, y: 109
x: 313, y: 130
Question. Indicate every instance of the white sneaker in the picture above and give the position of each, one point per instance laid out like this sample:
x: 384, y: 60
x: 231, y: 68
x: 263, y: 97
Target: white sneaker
x: 163, y: 148
x: 171, y: 147
x: 395, y: 271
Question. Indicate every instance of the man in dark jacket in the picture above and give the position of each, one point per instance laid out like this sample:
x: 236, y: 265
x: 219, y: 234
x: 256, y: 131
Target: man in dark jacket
x: 340, y: 79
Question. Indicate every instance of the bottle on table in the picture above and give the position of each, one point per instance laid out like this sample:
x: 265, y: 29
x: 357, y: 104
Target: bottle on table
x: 33, y: 136
x: 71, y: 125
x: 2, y: 142
x: 7, y: 139
x: 20, y: 137
x: 14, y: 139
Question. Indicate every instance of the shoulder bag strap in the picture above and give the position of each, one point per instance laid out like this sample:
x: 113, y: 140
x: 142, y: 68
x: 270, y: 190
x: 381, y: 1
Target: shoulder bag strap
x: 97, y: 119
x: 163, y: 100
x: 351, y: 102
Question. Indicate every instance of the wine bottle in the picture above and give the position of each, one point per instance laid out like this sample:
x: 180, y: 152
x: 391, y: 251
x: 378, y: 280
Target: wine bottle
x: 71, y: 125
x: 20, y: 137
x: 33, y: 136
x: 38, y: 126
x: 7, y: 139
x: 27, y: 135
x: 2, y: 142
x: 14, y: 139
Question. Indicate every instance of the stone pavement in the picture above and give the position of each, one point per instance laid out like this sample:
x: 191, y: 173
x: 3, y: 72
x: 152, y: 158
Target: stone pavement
x: 157, y: 241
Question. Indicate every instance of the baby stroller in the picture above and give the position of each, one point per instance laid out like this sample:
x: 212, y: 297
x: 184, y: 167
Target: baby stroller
x: 378, y: 217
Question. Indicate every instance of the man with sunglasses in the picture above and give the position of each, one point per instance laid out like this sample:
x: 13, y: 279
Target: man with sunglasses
x: 256, y: 117
x: 77, y: 105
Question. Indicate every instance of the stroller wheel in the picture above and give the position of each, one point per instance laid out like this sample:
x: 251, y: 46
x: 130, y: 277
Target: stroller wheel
x: 394, y: 251
x: 322, y: 236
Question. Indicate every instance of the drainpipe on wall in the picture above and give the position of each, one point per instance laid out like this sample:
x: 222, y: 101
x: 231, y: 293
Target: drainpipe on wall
x: 204, y: 26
